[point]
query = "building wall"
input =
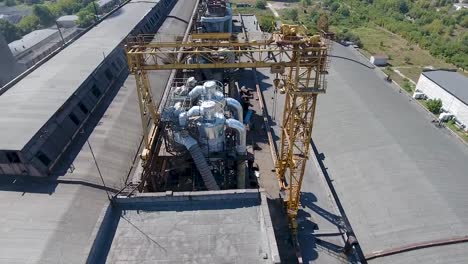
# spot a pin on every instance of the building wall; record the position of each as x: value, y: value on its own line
x: 378, y: 61
x: 67, y: 23
x: 449, y: 102
x: 41, y: 153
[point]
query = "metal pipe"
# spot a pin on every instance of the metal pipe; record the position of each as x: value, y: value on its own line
x: 240, y: 128
x: 235, y: 105
x: 194, y: 111
x: 195, y: 92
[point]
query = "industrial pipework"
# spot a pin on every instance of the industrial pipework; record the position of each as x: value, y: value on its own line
x: 207, y: 124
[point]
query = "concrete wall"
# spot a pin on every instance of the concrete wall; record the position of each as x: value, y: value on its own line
x: 449, y: 102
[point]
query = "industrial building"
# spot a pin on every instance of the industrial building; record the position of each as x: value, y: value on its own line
x: 451, y: 88
x: 42, y: 114
x: 51, y: 219
x: 379, y: 59
x: 36, y: 45
x: 217, y: 17
x: 67, y: 21
x: 9, y: 68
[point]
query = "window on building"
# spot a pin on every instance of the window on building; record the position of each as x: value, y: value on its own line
x: 108, y: 74
x: 13, y: 157
x: 115, y: 66
x: 83, y: 108
x: 96, y: 91
x: 74, y: 118
x: 43, y: 158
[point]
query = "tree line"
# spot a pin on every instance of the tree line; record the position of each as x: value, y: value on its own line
x: 434, y: 25
x: 43, y: 15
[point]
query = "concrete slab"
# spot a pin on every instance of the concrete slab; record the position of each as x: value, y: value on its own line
x: 192, y: 227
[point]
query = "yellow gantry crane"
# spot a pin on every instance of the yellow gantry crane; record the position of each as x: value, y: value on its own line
x: 298, y: 61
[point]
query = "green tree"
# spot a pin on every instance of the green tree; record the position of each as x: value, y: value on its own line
x: 291, y: 14
x: 334, y: 6
x: 344, y: 11
x: 69, y: 6
x: 322, y: 23
x: 434, y: 105
x: 267, y: 23
x: 46, y: 17
x: 33, y: 2
x: 29, y: 23
x: 85, y: 18
x: 261, y: 4
x: 464, y: 22
x: 306, y: 3
x: 9, y: 31
x: 10, y: 2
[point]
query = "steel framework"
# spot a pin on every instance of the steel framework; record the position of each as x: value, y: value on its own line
x: 298, y: 61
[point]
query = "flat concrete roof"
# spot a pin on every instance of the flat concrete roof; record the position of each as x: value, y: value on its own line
x: 453, y: 82
x: 30, y: 103
x: 232, y: 226
x: 401, y: 179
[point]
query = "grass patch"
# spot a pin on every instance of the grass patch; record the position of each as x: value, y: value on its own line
x: 412, y: 73
x: 402, y: 82
x: 407, y: 86
x: 450, y: 124
x: 460, y: 132
x: 377, y: 40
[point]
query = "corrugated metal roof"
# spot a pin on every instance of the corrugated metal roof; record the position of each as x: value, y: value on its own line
x: 29, y: 40
x: 28, y: 105
x: 67, y: 18
x: 453, y: 82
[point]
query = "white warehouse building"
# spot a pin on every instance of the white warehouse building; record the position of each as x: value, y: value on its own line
x: 449, y: 86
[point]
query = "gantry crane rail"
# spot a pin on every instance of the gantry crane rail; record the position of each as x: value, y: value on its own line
x: 298, y: 61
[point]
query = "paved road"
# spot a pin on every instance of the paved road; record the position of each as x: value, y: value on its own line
x: 400, y: 179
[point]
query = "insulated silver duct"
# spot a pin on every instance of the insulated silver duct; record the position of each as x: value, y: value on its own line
x: 235, y: 105
x: 242, y: 136
x: 194, y: 111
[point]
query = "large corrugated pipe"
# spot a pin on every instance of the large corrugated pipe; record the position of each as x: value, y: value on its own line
x: 242, y: 135
x: 200, y: 161
x: 237, y: 107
